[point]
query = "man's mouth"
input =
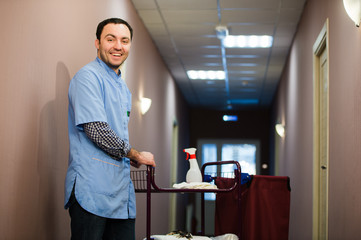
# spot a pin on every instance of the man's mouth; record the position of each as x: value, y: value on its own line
x: 116, y: 54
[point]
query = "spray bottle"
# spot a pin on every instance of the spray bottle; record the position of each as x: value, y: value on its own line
x: 193, y: 174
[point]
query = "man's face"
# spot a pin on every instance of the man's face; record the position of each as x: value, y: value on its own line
x: 114, y: 44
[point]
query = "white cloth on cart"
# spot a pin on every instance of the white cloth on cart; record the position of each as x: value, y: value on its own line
x: 194, y: 185
x: 171, y: 237
x: 229, y: 236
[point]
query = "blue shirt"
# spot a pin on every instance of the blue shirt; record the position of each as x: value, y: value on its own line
x: 102, y: 185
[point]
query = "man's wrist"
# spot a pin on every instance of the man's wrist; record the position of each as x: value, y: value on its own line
x: 133, y: 154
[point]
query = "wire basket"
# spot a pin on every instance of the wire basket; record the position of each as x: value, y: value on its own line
x: 139, y: 179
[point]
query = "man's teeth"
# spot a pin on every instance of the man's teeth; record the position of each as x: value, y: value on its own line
x: 116, y: 54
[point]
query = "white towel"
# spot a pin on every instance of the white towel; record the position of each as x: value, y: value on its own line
x: 171, y: 237
x: 228, y: 236
x: 194, y: 185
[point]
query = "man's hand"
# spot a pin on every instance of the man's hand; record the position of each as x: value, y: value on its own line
x: 139, y: 158
x: 134, y: 163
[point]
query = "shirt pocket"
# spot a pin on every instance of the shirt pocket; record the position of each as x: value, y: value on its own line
x: 107, y: 176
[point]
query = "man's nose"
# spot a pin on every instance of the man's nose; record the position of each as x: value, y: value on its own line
x: 118, y: 44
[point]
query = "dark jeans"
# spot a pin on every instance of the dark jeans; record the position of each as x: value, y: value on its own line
x: 87, y: 226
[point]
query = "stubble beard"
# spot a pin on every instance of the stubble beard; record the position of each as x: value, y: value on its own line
x: 104, y: 58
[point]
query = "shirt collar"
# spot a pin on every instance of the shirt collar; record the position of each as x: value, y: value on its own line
x: 108, y: 69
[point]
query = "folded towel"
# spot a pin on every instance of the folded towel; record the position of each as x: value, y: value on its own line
x: 228, y: 236
x: 173, y: 237
x: 194, y: 185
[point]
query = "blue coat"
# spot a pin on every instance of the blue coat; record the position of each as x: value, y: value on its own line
x: 102, y: 184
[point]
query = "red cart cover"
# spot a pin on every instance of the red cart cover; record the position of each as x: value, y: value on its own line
x: 265, y: 202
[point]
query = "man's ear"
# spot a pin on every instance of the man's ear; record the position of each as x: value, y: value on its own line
x: 97, y: 44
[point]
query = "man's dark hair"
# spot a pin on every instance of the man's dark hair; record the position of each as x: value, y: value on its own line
x: 102, y: 24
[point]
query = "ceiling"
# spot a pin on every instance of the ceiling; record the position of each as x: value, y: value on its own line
x: 184, y: 33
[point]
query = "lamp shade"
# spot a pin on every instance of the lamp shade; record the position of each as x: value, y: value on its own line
x: 353, y: 9
x: 145, y: 105
x: 280, y: 129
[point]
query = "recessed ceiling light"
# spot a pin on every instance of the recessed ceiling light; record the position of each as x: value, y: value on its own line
x: 230, y: 56
x: 242, y: 72
x: 243, y: 56
x: 244, y: 101
x: 206, y: 75
x: 243, y: 64
x: 245, y: 41
x: 212, y: 64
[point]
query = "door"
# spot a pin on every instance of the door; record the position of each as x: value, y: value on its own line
x: 321, y: 136
x: 173, y: 179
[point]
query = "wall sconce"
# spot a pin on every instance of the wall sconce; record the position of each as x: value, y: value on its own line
x: 280, y: 129
x: 353, y: 9
x: 145, y: 105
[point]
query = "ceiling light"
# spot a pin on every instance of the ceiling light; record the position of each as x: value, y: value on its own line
x: 212, y: 64
x: 243, y: 64
x: 245, y: 101
x: 231, y: 56
x: 243, y: 56
x: 206, y: 75
x: 247, y: 78
x: 245, y: 41
x: 243, y: 72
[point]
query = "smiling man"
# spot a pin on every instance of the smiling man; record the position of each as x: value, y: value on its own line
x: 113, y: 44
x: 98, y: 189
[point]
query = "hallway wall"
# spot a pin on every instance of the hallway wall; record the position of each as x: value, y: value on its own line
x: 43, y: 44
x: 294, y: 105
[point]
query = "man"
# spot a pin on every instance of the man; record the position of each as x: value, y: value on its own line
x: 98, y: 190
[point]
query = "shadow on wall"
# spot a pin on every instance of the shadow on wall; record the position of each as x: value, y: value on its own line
x: 53, y: 149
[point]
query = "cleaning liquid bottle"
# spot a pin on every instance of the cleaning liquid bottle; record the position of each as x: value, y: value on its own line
x: 193, y: 174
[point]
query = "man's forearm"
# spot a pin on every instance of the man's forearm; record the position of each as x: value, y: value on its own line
x: 106, y: 139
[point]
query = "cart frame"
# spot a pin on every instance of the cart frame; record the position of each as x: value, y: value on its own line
x: 151, y: 187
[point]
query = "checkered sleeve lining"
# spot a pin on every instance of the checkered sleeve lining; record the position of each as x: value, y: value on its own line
x: 105, y: 138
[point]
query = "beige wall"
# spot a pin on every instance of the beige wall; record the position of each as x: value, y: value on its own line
x: 294, y: 103
x: 43, y: 44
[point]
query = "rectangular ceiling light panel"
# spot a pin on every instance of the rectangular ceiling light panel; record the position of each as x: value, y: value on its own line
x: 209, y: 75
x: 252, y: 41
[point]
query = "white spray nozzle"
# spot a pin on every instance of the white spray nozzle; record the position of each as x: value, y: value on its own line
x: 191, y: 153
